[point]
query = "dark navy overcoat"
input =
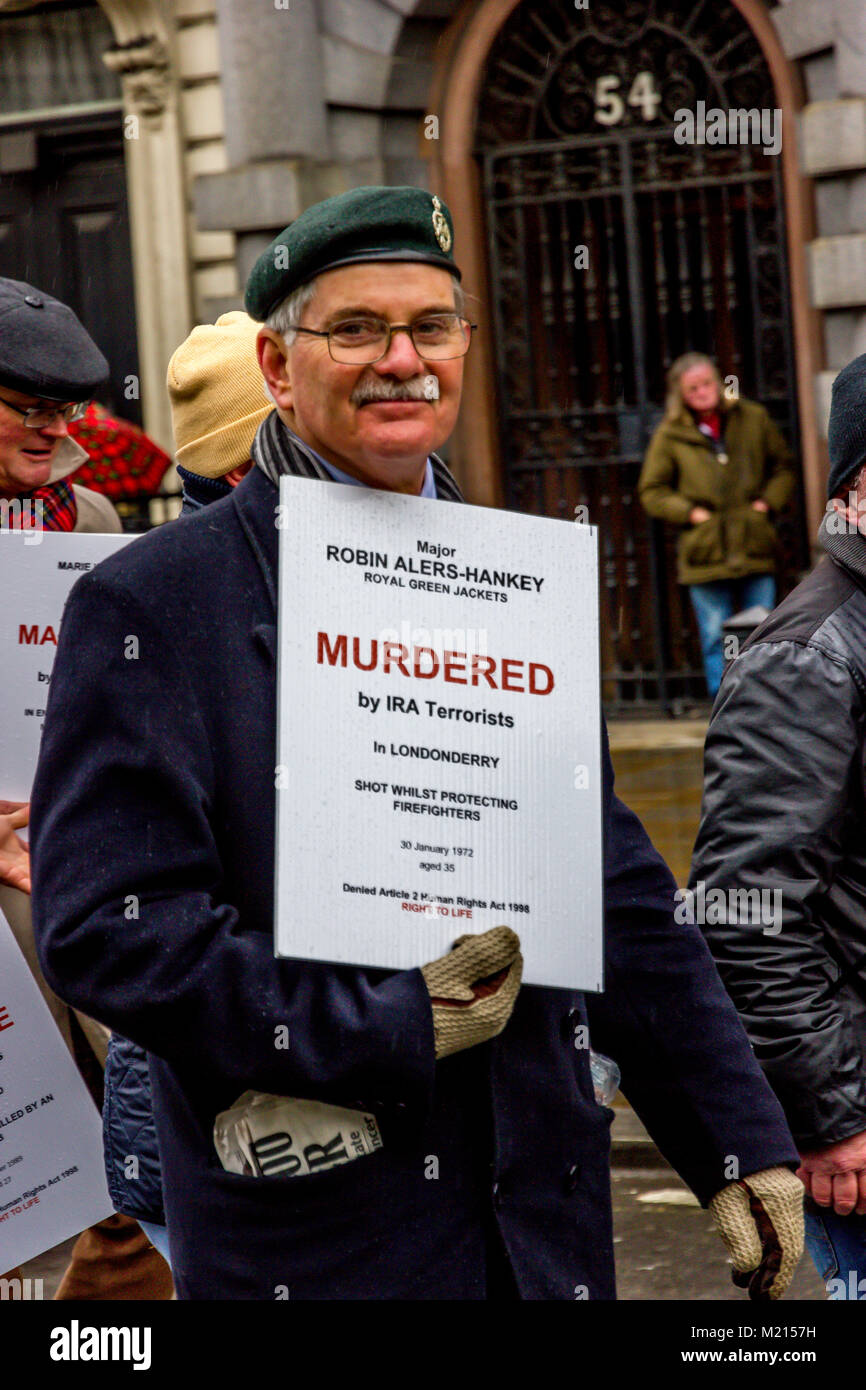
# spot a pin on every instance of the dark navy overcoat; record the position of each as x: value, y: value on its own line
x: 153, y: 854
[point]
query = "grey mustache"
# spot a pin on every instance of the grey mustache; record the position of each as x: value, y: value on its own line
x: 382, y: 390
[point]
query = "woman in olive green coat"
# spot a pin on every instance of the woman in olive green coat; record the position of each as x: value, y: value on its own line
x: 719, y: 470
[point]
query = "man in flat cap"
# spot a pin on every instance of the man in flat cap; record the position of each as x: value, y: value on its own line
x: 50, y: 368
x: 173, y: 778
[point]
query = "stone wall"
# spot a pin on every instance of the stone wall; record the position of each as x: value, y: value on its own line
x: 827, y: 39
x: 212, y: 250
x: 347, y: 84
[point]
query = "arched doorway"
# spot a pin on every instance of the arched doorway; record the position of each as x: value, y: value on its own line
x: 610, y: 248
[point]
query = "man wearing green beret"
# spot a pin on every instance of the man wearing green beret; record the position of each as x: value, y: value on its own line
x: 492, y: 1178
x: 366, y: 397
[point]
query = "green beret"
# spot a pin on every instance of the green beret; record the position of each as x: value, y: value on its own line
x: 366, y: 224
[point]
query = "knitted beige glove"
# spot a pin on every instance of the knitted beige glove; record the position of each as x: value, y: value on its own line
x: 473, y: 989
x: 760, y: 1219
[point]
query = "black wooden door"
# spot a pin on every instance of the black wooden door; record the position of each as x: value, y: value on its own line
x: 64, y: 227
x: 613, y: 248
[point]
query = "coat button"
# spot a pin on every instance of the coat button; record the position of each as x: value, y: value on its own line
x: 33, y: 300
x: 572, y: 1178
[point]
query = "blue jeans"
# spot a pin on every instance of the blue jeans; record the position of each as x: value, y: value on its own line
x: 837, y: 1245
x: 715, y: 603
x: 158, y: 1237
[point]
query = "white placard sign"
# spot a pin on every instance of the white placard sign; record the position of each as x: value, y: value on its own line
x: 439, y: 767
x: 37, y: 570
x: 52, y: 1176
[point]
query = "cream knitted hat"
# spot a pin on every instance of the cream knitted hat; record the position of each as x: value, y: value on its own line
x: 217, y: 395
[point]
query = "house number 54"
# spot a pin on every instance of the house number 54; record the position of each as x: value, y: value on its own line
x: 610, y: 105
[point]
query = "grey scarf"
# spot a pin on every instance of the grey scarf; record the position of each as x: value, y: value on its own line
x: 277, y: 451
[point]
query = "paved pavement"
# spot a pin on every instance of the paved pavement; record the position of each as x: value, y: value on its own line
x: 667, y: 1247
x: 666, y: 1244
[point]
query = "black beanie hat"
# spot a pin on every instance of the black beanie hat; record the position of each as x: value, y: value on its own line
x: 846, y: 434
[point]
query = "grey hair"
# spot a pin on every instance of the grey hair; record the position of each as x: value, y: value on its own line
x: 291, y: 309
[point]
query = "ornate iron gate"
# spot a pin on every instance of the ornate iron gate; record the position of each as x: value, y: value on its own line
x: 613, y: 248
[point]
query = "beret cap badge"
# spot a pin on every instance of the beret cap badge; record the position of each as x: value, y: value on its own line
x: 440, y: 225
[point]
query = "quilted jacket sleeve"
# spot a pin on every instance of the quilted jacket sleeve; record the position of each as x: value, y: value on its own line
x: 659, y: 481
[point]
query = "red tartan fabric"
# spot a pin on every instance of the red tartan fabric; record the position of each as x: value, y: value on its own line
x: 124, y: 462
x: 57, y: 509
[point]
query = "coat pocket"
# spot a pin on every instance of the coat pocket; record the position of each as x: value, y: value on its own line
x: 702, y: 545
x: 760, y: 535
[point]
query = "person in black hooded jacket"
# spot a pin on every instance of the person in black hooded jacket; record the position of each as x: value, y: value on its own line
x: 778, y: 876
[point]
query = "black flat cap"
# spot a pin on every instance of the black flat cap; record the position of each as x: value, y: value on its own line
x: 44, y: 349
x: 366, y: 224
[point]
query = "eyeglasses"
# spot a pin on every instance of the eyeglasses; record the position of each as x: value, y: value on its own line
x: 36, y: 417
x: 362, y: 341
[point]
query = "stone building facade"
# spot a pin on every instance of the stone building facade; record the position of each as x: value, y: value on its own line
x: 548, y: 130
x: 252, y: 109
x: 324, y: 94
